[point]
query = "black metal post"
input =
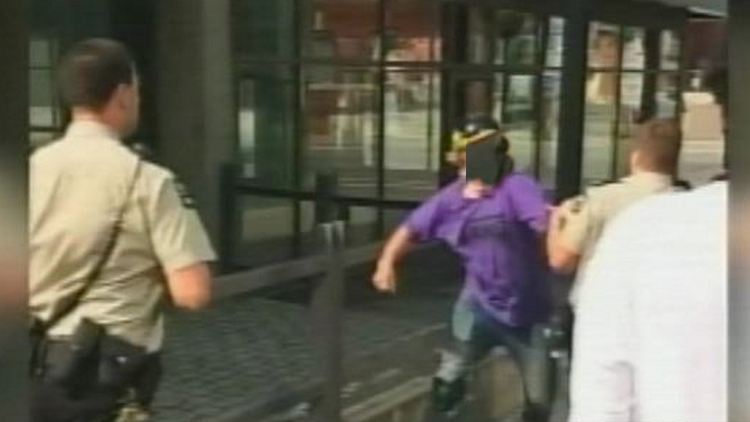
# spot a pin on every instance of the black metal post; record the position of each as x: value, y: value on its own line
x: 650, y: 84
x: 573, y: 100
x: 327, y: 300
x: 229, y: 223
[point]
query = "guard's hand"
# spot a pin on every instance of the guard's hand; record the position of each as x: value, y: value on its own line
x: 384, y: 278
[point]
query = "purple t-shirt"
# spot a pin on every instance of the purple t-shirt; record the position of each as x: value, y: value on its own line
x: 498, y: 238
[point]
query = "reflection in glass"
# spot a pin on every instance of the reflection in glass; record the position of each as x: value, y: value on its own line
x: 630, y: 113
x: 412, y: 134
x: 413, y: 29
x: 478, y: 37
x: 597, y: 143
x: 40, y: 52
x: 516, y: 38
x: 266, y: 231
x: 42, y: 110
x: 634, y: 49
x: 549, y: 131
x: 670, y: 50
x: 266, y: 127
x: 361, y: 227
x: 667, y: 95
x: 604, y: 46
x: 341, y: 124
x: 555, y: 42
x: 343, y: 29
x: 477, y: 96
x: 263, y: 28
x: 517, y: 117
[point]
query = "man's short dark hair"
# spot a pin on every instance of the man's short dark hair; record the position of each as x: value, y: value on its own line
x: 91, y: 71
x: 659, y: 141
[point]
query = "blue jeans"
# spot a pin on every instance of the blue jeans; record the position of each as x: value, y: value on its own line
x: 476, y: 333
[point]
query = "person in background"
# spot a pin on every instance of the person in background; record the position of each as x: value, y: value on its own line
x: 578, y: 223
x: 497, y: 231
x: 651, y: 339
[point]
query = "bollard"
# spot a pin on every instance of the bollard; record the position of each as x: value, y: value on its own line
x: 230, y: 221
x: 327, y: 301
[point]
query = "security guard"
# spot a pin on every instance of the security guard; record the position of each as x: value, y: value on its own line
x: 110, y: 234
x: 579, y: 222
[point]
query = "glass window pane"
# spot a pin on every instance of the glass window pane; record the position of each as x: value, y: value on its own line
x: 267, y: 231
x: 341, y: 129
x: 478, y: 39
x: 343, y: 29
x: 264, y: 28
x: 630, y: 114
x: 598, y: 131
x: 516, y: 115
x: 670, y: 50
x: 42, y: 111
x: 412, y: 134
x: 667, y: 95
x: 634, y: 53
x: 549, y: 132
x: 40, y: 139
x: 412, y: 30
x: 702, y: 154
x: 604, y: 46
x: 477, y: 97
x: 266, y: 126
x: 516, y: 38
x: 40, y: 53
x: 555, y: 44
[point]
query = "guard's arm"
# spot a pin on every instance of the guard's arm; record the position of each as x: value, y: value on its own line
x: 567, y: 235
x: 561, y: 258
x: 181, y: 245
x: 190, y: 287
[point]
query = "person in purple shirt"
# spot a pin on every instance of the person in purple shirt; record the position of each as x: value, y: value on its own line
x: 497, y: 232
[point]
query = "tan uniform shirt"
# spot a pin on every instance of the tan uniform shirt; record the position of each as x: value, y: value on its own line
x: 78, y: 185
x: 586, y: 216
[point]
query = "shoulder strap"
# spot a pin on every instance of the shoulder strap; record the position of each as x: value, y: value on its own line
x: 71, y: 304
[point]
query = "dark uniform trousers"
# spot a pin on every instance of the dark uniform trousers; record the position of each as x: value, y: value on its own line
x: 87, y: 393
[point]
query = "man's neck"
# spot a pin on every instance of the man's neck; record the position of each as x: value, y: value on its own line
x: 84, y: 115
x: 643, y: 172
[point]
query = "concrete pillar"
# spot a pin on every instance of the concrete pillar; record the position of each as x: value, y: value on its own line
x: 195, y: 101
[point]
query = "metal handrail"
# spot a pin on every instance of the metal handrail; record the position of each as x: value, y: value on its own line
x: 271, y: 275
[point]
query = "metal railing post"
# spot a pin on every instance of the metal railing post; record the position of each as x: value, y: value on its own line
x: 229, y: 221
x: 327, y: 301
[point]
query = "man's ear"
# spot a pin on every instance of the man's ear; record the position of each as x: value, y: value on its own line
x: 124, y: 96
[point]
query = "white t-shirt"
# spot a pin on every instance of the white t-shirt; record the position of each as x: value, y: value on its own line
x: 651, y: 328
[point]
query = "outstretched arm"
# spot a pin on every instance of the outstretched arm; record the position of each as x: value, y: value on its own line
x: 398, y: 245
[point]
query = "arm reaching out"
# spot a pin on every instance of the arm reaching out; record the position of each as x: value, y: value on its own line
x: 398, y: 245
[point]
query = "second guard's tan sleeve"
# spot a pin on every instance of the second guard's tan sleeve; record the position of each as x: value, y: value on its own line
x: 578, y: 217
x: 177, y: 234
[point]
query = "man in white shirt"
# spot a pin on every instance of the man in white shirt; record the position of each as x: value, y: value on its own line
x: 651, y: 335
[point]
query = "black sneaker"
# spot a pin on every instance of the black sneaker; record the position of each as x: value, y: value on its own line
x: 446, y: 396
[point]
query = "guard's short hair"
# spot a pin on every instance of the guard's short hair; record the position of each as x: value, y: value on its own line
x: 91, y: 71
x: 659, y: 142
